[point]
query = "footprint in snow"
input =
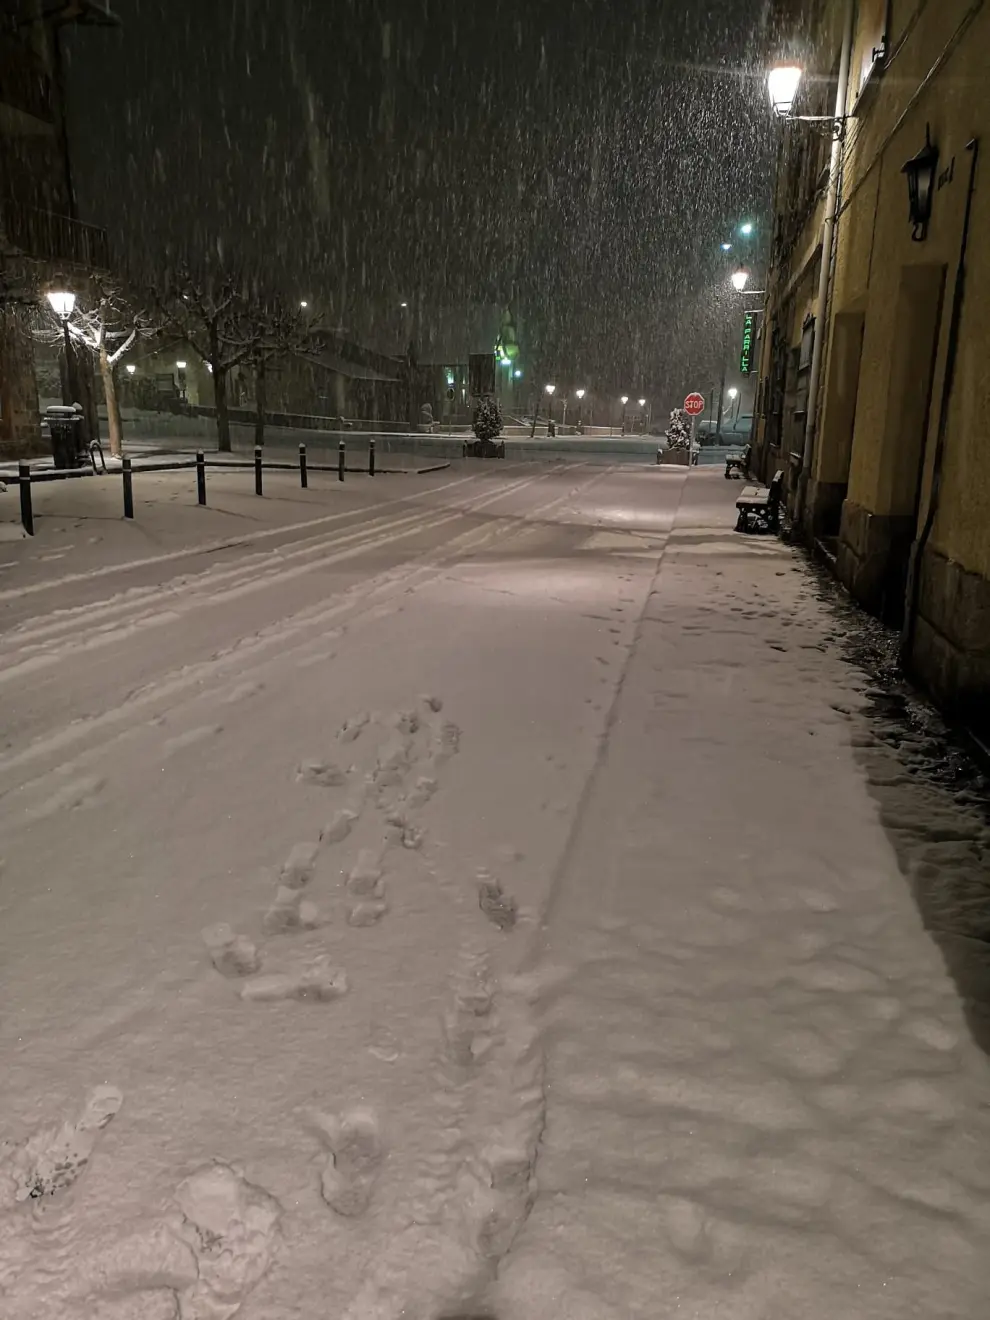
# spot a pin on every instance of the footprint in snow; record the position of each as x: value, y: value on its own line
x: 298, y: 867
x: 356, y: 1153
x: 289, y: 912
x: 231, y: 1226
x: 232, y: 955
x: 322, y: 773
x: 317, y: 980
x: 499, y: 907
x: 339, y: 827
x: 52, y: 1159
x: 354, y: 727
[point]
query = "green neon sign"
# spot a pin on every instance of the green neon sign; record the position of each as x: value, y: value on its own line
x: 748, y: 343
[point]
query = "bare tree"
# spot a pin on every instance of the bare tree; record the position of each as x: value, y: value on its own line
x: 215, y: 317
x: 281, y: 332
x: 107, y: 325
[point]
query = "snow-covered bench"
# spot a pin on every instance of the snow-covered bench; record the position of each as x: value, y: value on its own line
x: 738, y: 463
x: 763, y: 506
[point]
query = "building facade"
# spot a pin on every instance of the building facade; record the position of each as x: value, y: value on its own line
x: 42, y: 240
x: 882, y: 433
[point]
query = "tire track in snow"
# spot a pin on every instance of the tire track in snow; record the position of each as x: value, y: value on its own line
x: 213, y: 547
x: 238, y: 580
x: 242, y: 660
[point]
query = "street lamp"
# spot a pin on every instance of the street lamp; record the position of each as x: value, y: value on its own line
x: 550, y: 391
x: 782, y: 85
x: 740, y: 278
x: 303, y: 304
x: 63, y: 304
x: 579, y: 395
x: 726, y: 247
x: 625, y: 400
x: 747, y: 229
x: 130, y: 368
x: 920, y: 171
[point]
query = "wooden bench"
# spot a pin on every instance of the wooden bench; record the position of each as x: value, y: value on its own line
x: 762, y: 506
x: 738, y: 463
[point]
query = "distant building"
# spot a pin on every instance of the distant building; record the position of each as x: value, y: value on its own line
x: 42, y: 240
x: 890, y: 471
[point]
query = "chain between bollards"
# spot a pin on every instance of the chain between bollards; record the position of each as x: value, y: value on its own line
x: 371, y: 457
x: 341, y: 459
x: 303, y: 474
x: 24, y: 482
x: 126, y: 473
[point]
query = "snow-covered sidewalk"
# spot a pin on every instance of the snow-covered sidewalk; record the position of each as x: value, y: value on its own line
x: 470, y: 905
x: 762, y: 1098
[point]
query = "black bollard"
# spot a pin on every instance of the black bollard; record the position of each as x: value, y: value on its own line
x: 303, y: 474
x: 125, y: 471
x: 259, y: 485
x: 341, y: 457
x: 371, y: 457
x: 659, y: 452
x: 200, y: 476
x: 27, y: 512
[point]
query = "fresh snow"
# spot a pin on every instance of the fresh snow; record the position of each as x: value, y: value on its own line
x: 472, y: 895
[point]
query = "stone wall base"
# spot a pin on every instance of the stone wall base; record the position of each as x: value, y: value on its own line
x: 825, y: 501
x: 872, y: 559
x: 951, y: 642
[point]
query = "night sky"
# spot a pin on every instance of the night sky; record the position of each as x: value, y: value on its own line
x: 567, y: 157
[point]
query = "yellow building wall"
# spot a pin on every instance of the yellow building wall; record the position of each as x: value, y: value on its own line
x: 956, y: 105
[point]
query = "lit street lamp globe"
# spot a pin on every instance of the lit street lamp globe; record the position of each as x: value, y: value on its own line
x: 782, y: 85
x: 62, y: 303
x: 740, y: 278
x: 580, y: 393
x: 733, y: 393
x: 550, y: 388
x: 624, y: 399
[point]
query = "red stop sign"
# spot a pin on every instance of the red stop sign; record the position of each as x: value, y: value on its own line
x: 694, y: 405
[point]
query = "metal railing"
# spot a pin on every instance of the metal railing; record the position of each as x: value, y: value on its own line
x: 26, y: 478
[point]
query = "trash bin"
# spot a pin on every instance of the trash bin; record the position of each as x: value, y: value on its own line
x: 63, y: 425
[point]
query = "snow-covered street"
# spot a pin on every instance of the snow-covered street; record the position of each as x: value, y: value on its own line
x: 477, y: 894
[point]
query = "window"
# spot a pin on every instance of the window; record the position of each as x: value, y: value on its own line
x: 871, y: 41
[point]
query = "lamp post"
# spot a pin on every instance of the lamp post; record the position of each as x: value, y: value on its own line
x: 63, y: 304
x: 625, y: 400
x: 181, y: 369
x: 642, y: 410
x: 579, y: 395
x: 549, y: 392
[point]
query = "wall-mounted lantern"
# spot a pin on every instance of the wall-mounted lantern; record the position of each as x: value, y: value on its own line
x: 920, y: 171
